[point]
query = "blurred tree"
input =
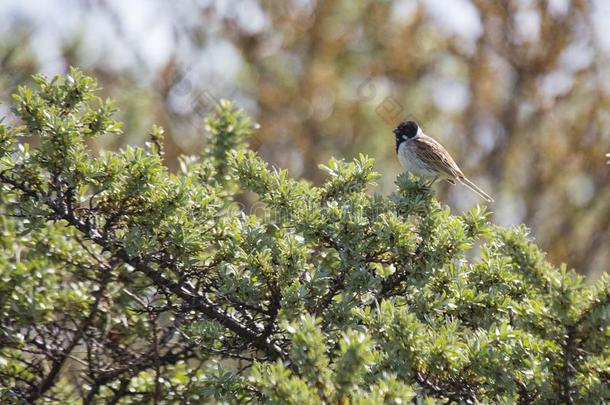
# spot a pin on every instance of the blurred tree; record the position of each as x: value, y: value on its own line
x: 516, y: 90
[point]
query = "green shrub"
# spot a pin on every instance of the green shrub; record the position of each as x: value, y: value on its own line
x: 121, y: 282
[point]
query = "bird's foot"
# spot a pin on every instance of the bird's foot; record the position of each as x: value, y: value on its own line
x: 432, y: 182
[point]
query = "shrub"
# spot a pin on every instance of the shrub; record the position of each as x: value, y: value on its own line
x: 122, y: 282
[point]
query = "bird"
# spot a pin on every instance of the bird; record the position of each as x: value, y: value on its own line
x: 426, y: 158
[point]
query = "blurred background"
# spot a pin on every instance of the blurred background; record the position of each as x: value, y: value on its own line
x: 517, y: 90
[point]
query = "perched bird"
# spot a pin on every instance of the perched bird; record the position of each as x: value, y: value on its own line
x: 427, y: 158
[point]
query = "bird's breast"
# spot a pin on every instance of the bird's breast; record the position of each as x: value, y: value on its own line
x: 408, y: 158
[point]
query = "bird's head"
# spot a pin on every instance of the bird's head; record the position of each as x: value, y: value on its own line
x: 406, y: 130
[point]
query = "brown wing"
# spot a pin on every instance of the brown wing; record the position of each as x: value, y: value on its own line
x: 436, y: 157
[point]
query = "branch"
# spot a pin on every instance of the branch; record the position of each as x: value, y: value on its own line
x: 58, y: 363
x: 185, y: 292
x: 568, y: 370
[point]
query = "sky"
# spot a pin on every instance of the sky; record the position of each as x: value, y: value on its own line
x: 144, y: 34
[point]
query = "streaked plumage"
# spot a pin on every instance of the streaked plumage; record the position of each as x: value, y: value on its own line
x: 425, y: 157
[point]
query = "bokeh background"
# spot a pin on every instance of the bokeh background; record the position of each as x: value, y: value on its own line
x: 517, y: 90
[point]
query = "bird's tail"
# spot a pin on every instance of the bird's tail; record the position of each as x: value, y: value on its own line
x: 476, y: 189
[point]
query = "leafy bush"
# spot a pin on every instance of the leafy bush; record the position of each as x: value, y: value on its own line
x: 122, y: 282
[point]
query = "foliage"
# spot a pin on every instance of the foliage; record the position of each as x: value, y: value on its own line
x: 122, y: 282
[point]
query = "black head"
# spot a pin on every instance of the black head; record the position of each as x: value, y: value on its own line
x: 405, y: 130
